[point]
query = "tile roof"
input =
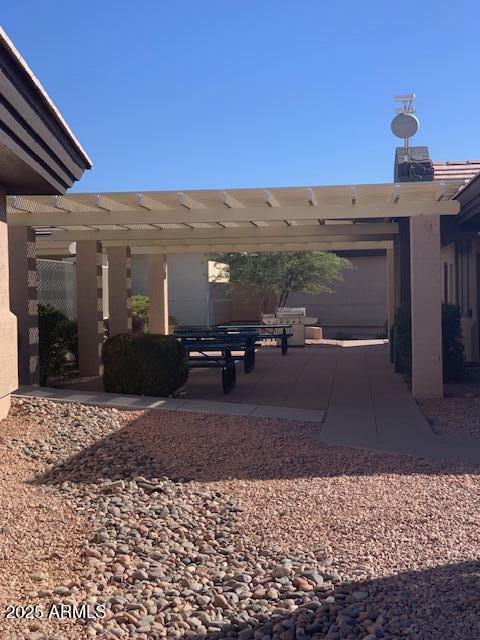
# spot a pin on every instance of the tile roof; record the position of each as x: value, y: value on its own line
x: 456, y: 170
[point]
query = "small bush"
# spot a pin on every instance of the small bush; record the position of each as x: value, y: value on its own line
x: 140, y: 306
x: 140, y: 309
x: 402, y: 339
x: 453, y: 352
x: 71, y: 337
x: 144, y: 364
x: 53, y: 343
x: 452, y: 341
x: 172, y: 324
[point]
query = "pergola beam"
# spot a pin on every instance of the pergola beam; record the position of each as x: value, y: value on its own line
x: 407, y: 208
x: 270, y: 199
x: 305, y: 241
x: 266, y: 246
x: 149, y: 203
x: 47, y: 247
x: 229, y: 201
x: 188, y: 202
x: 357, y: 230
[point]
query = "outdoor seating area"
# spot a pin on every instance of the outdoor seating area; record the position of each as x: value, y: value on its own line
x: 224, y: 345
x: 239, y: 360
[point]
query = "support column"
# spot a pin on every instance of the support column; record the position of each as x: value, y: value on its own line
x: 158, y: 293
x: 391, y: 296
x: 119, y: 290
x: 89, y: 307
x: 426, y: 301
x: 8, y: 322
x: 24, y: 300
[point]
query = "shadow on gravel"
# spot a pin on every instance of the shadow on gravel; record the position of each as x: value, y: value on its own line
x: 436, y: 604
x: 202, y: 447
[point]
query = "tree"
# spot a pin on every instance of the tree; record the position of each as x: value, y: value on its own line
x: 283, y: 272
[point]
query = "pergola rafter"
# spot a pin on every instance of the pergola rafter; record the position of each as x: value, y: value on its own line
x: 252, y: 208
x: 348, y: 217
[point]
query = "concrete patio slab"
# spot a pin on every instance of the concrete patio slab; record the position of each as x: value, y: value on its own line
x: 220, y: 408
x: 353, y: 395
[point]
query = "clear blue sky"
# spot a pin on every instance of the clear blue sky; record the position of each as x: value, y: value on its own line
x: 230, y: 93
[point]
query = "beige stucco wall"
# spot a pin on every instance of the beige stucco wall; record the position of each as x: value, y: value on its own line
x: 188, y: 295
x: 358, y: 304
x: 8, y: 322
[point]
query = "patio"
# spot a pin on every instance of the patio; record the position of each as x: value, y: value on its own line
x: 350, y: 392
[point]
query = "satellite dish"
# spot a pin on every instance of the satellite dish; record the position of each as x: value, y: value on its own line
x: 72, y: 248
x: 405, y: 125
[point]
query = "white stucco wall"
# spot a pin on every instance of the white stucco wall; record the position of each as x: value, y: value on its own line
x: 188, y: 296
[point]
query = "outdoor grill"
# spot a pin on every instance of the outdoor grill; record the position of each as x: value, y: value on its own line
x: 297, y: 317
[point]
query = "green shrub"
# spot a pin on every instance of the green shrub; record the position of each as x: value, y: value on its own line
x: 140, y: 309
x: 53, y: 344
x: 144, y: 364
x: 71, y: 337
x: 452, y: 338
x: 452, y: 341
x: 172, y: 324
x: 402, y: 339
x: 140, y: 306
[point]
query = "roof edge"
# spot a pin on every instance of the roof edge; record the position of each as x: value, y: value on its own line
x: 37, y: 86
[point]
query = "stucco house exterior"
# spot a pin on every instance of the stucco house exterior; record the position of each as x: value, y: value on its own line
x: 460, y: 256
x: 38, y: 155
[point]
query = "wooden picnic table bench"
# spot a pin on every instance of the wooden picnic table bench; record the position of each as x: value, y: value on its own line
x: 213, y: 349
x: 268, y: 331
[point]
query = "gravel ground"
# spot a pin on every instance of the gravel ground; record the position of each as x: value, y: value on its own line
x: 458, y: 413
x: 199, y: 526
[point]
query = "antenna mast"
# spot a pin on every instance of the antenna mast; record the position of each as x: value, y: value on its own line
x: 407, y: 101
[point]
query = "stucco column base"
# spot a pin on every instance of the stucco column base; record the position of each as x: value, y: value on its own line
x: 8, y: 356
x: 426, y: 306
x: 8, y: 322
x: 5, y: 403
x: 24, y: 299
x: 158, y: 293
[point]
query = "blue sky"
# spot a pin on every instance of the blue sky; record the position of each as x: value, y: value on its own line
x: 249, y: 93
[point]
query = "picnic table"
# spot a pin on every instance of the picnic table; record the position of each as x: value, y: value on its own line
x: 264, y: 330
x: 208, y: 348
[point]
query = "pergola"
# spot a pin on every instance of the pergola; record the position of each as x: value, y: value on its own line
x: 403, y: 219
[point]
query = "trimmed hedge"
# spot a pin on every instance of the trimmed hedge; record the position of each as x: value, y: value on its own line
x: 144, y: 364
x: 452, y: 341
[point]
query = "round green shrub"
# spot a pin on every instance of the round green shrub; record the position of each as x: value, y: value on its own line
x: 144, y: 364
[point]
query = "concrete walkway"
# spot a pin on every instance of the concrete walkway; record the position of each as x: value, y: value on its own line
x: 139, y: 403
x: 351, y: 392
x: 370, y: 406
